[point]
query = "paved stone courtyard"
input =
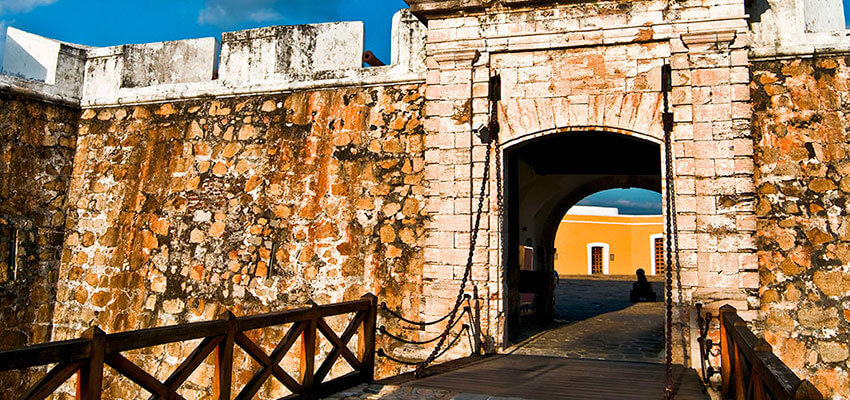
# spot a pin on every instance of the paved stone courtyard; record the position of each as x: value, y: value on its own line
x: 595, y: 320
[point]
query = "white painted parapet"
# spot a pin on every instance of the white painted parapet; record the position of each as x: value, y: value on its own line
x: 264, y: 60
x: 169, y: 62
x: 797, y: 27
x: 42, y: 67
x: 257, y: 54
x: 111, y: 69
x: 31, y: 56
x: 408, y: 42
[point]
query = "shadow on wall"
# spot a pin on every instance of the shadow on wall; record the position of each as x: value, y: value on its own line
x: 23, y: 61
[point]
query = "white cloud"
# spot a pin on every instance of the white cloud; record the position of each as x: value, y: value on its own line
x: 226, y: 13
x: 263, y: 15
x: 10, y: 6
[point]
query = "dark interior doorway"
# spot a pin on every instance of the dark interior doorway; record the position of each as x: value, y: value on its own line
x: 543, y: 179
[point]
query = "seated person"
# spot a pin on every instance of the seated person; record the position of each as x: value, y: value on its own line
x: 641, y: 289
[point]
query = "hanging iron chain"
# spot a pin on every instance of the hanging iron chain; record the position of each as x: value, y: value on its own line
x: 495, y: 97
x: 420, y: 368
x: 382, y: 353
x: 667, y: 120
x: 383, y: 330
x: 669, y: 281
x: 421, y: 324
x: 489, y: 135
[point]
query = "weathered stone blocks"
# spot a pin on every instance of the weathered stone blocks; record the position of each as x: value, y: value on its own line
x: 178, y: 211
x: 37, y: 143
x: 801, y: 155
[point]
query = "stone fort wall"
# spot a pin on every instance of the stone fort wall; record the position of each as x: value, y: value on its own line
x: 179, y: 211
x: 800, y: 131
x: 179, y: 179
x: 287, y: 174
x: 37, y: 143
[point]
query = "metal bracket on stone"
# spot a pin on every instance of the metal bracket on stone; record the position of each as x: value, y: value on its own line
x: 272, y: 261
x: 483, y: 134
x: 666, y: 88
x: 490, y: 132
x: 666, y: 78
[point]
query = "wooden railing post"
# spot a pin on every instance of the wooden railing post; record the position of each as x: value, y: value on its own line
x: 756, y: 383
x: 90, y: 378
x: 807, y: 391
x: 738, y: 368
x: 366, y: 339
x: 224, y: 360
x: 308, y: 353
x: 725, y: 359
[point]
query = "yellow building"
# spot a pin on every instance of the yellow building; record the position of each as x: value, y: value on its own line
x: 598, y: 240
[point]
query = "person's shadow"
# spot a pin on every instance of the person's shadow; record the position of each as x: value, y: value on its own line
x: 642, y: 289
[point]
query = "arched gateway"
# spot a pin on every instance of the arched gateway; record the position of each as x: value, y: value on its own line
x: 593, y: 109
x: 545, y: 175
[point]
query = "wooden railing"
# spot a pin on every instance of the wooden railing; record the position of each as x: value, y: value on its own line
x: 87, y: 355
x: 750, y: 370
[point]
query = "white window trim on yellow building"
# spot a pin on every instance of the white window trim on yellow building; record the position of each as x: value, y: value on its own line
x: 606, y: 251
x: 652, y: 250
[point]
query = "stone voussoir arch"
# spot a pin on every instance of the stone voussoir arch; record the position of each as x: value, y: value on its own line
x: 517, y: 141
x: 632, y: 114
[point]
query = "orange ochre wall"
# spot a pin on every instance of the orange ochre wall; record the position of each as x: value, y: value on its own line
x: 628, y: 238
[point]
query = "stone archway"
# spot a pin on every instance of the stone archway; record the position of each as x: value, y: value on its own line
x: 592, y: 84
x: 544, y: 175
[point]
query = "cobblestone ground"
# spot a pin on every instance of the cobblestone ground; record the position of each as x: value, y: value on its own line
x: 595, y: 320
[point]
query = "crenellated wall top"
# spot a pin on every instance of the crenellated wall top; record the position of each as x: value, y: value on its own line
x: 263, y: 60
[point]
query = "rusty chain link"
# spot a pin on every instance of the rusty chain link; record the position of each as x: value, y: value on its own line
x: 383, y: 330
x: 489, y: 135
x: 382, y: 353
x: 400, y: 317
x: 420, y: 368
x: 672, y: 229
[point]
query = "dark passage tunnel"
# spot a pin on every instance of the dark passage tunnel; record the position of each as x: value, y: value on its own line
x: 544, y: 178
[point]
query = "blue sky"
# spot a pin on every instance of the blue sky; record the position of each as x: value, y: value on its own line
x: 629, y: 201
x: 114, y: 22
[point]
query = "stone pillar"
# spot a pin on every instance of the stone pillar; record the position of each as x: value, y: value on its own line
x: 455, y: 107
x: 713, y: 164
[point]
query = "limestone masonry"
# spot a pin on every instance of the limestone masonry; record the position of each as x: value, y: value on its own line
x: 154, y: 184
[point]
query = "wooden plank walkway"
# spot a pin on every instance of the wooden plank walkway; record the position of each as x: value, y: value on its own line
x: 541, y: 377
